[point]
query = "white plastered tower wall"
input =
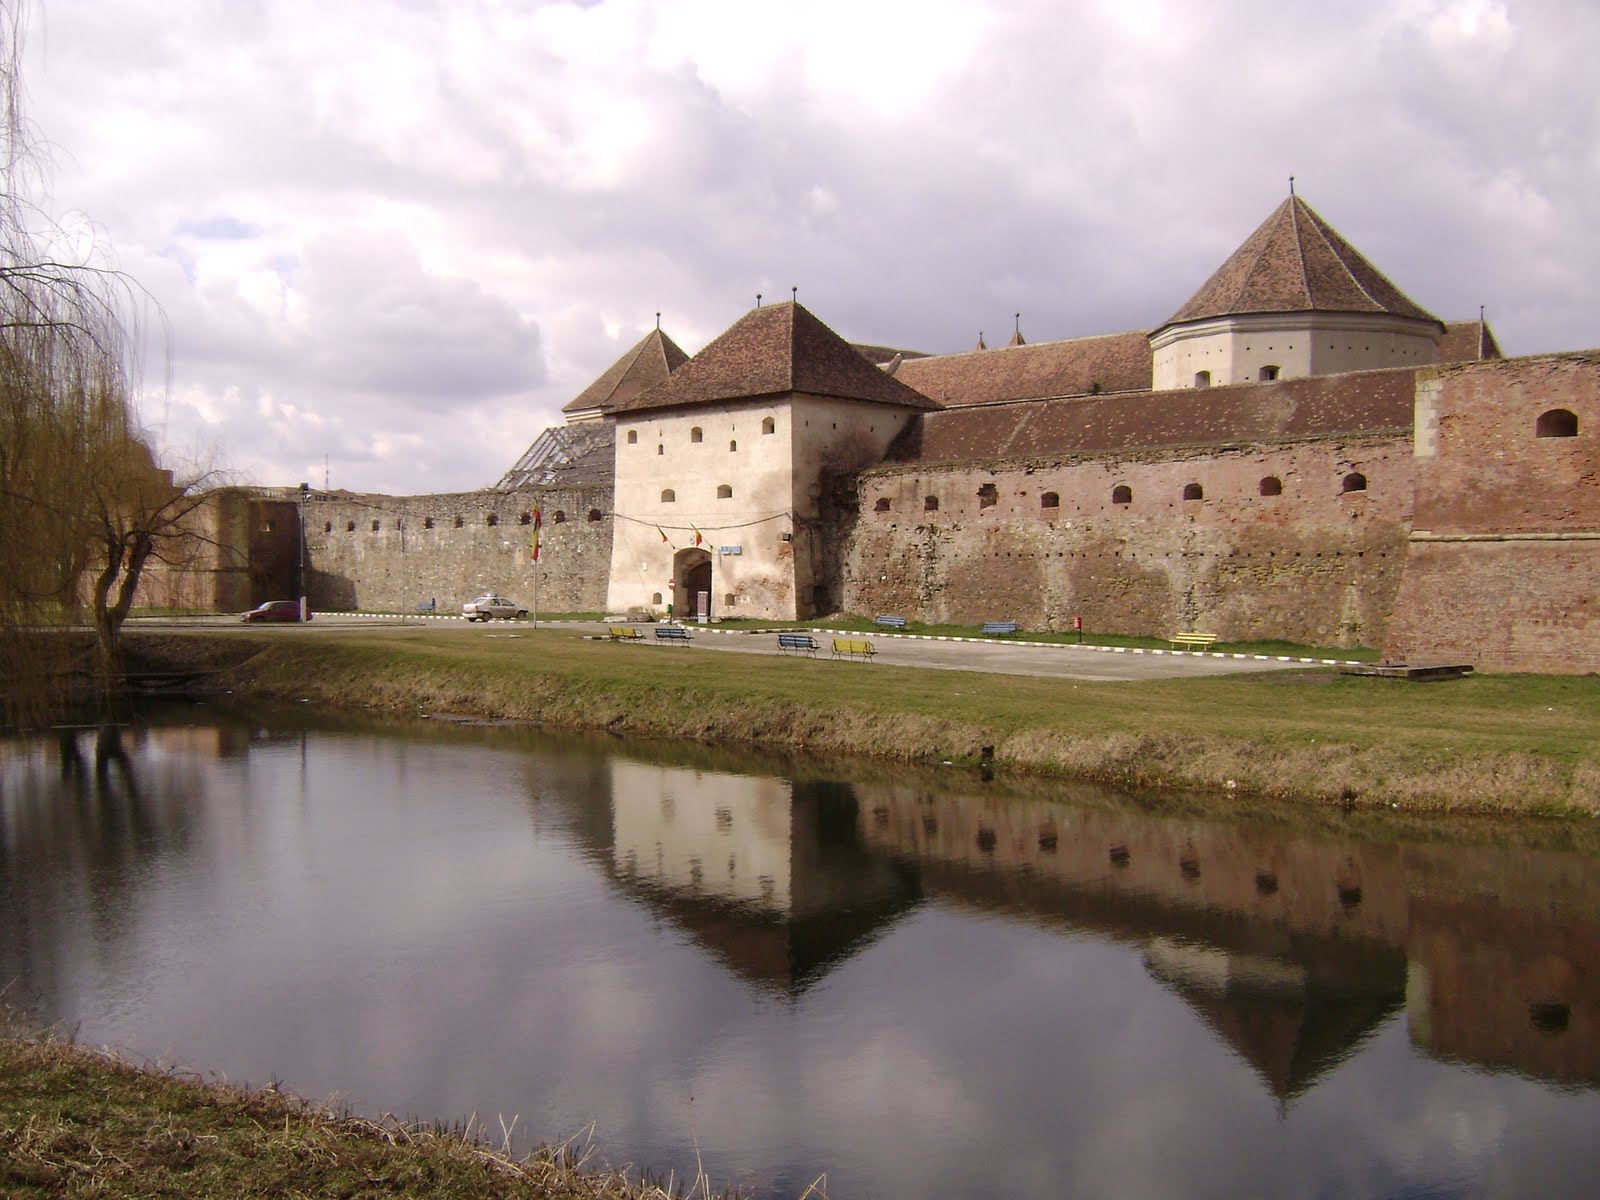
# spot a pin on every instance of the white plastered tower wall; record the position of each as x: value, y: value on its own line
x: 1237, y: 349
x: 672, y: 467
x: 747, y: 475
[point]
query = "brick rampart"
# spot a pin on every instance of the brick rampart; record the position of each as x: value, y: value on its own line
x: 1308, y: 561
x: 390, y: 553
x: 1503, y: 568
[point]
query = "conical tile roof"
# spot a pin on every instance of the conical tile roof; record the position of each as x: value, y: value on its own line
x: 1296, y: 262
x: 773, y: 350
x: 652, y: 360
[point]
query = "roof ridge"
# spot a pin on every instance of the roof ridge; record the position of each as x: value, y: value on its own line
x: 1300, y: 248
x: 794, y: 311
x: 992, y: 350
x: 1353, y: 275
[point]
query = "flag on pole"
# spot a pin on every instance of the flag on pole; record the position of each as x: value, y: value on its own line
x: 696, y: 535
x: 538, y: 520
x: 663, y: 534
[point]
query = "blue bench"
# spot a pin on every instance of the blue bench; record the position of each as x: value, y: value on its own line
x: 797, y: 643
x: 999, y: 628
x: 672, y: 633
x: 890, y: 622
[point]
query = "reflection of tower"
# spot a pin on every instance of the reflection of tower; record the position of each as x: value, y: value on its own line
x: 1292, y: 1017
x: 1273, y: 941
x: 767, y: 874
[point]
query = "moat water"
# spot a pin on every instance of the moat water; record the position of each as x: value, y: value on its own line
x: 912, y: 983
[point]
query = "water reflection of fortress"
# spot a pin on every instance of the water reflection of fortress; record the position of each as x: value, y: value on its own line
x: 1293, y: 948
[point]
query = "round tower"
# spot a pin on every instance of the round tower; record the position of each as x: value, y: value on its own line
x: 1295, y: 299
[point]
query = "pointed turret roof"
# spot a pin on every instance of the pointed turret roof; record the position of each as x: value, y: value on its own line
x: 1296, y: 262
x: 770, y: 351
x: 651, y: 361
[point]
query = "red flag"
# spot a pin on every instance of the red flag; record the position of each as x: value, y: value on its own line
x: 696, y: 535
x: 538, y: 520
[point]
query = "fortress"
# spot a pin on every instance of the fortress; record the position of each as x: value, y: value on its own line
x: 1298, y: 452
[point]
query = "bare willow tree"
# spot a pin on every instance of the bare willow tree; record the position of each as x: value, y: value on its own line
x: 83, y: 506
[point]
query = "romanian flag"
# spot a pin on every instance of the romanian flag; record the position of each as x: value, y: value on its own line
x: 696, y: 535
x: 538, y: 520
x: 663, y: 534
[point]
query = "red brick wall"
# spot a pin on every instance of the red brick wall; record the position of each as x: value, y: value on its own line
x: 1500, y: 606
x: 1504, y: 565
x: 1314, y: 564
x: 1487, y: 472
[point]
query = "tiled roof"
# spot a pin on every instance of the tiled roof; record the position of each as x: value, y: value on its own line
x: 1313, y: 406
x: 1296, y: 262
x: 651, y: 361
x: 771, y: 351
x: 1467, y: 341
x: 1117, y: 362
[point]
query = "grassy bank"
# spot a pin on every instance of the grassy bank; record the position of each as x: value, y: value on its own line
x: 76, y: 1123
x: 1508, y: 744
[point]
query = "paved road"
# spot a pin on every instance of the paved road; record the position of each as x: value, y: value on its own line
x: 1005, y: 658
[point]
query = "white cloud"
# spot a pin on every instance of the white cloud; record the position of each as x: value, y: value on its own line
x: 393, y: 212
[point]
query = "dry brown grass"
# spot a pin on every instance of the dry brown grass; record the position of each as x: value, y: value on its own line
x: 1487, y: 744
x: 84, y: 1124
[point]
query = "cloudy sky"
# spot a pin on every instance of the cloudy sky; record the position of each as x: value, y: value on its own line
x: 395, y: 236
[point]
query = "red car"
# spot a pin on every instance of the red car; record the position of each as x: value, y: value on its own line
x: 275, y: 610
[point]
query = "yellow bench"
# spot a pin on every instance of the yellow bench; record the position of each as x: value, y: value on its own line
x: 1192, y: 641
x: 625, y: 633
x: 852, y: 648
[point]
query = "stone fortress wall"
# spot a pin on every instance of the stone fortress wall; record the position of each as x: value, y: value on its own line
x: 1474, y: 538
x: 1504, y: 556
x: 390, y: 553
x: 1278, y: 541
x: 1331, y: 466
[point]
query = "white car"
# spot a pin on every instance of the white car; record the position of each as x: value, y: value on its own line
x: 488, y: 606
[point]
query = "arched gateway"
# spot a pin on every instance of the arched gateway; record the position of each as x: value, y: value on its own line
x: 691, y: 583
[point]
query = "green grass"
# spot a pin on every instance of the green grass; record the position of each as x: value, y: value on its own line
x: 1479, y: 744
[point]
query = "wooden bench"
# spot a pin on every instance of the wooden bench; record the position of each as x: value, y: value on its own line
x: 852, y: 648
x: 625, y: 633
x: 672, y: 633
x: 890, y: 622
x: 1192, y: 641
x: 999, y: 628
x: 797, y: 643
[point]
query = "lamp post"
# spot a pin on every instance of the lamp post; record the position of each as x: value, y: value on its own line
x: 301, y: 556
